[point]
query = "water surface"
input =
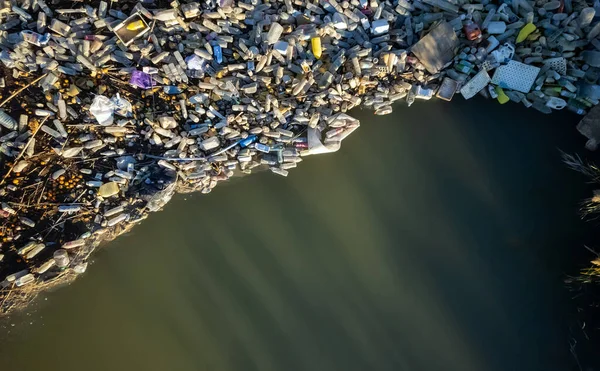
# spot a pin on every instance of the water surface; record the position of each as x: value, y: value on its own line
x: 437, y: 238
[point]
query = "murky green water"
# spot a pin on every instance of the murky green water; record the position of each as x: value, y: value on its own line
x: 436, y: 239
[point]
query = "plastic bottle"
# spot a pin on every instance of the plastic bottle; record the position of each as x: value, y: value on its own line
x: 7, y: 121
x: 568, y: 94
x: 262, y: 147
x: 246, y: 142
x: 337, y: 63
x: 165, y: 15
x: 35, y: 38
x: 274, y: 33
x: 541, y: 106
x: 316, y: 47
x: 410, y: 98
x: 464, y: 67
x: 69, y: 208
x: 576, y: 110
x: 172, y: 90
x: 492, y: 91
x: 61, y: 256
x: 553, y: 91
x: 218, y: 53
x: 6, y: 59
x: 576, y: 107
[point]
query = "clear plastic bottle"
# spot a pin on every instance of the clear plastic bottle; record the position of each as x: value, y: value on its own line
x: 274, y: 33
x: 6, y: 59
x: 7, y: 121
x: 218, y: 53
x: 410, y: 98
x: 41, y: 22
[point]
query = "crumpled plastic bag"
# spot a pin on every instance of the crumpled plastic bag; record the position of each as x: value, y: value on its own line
x: 141, y: 80
x: 123, y: 162
x: 102, y: 109
x: 195, y: 62
x: 340, y: 126
x: 122, y: 106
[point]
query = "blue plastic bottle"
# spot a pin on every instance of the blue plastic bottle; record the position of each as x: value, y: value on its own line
x: 262, y: 147
x: 246, y: 142
x: 218, y: 53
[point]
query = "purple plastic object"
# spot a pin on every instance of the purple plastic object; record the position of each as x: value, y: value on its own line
x: 141, y: 80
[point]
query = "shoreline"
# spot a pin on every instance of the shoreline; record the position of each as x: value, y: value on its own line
x: 130, y: 105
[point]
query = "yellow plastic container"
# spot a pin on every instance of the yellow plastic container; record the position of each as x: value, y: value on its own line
x: 136, y: 25
x: 525, y: 31
x: 502, y: 98
x: 316, y: 47
x: 108, y: 189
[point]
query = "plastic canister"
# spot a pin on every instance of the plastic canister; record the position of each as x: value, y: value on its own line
x: 556, y: 103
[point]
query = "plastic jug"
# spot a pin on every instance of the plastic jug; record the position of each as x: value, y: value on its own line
x: 556, y: 103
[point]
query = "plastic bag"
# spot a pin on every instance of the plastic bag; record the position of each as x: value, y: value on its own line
x: 102, y: 108
x: 141, y: 80
x: 340, y: 126
x: 196, y: 63
x: 122, y: 107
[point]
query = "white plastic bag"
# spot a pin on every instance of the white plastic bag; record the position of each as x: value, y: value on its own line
x: 196, y: 63
x: 102, y: 108
x: 340, y: 126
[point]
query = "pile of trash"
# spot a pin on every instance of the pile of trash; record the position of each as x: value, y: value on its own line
x: 109, y: 108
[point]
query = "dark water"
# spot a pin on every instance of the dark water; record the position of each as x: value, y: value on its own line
x: 436, y: 239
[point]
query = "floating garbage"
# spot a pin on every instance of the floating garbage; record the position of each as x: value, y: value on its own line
x: 106, y: 111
